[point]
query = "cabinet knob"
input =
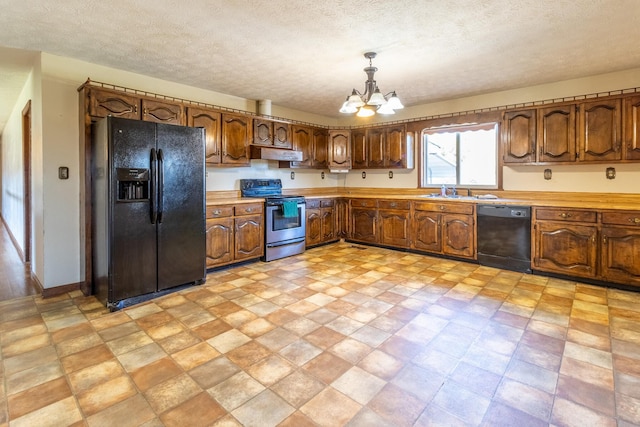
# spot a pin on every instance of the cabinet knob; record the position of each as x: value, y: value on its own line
x: 604, y: 239
x: 249, y: 209
x: 393, y: 205
x: 441, y: 207
x: 216, y: 212
x: 565, y: 215
x: 634, y: 220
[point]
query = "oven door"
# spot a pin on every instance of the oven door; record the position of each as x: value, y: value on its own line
x: 284, y: 229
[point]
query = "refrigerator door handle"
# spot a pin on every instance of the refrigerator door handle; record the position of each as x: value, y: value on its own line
x: 154, y: 184
x: 160, y: 185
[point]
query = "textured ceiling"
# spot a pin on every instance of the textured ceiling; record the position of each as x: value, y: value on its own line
x: 307, y: 54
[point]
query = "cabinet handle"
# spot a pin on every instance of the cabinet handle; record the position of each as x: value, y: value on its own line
x: 441, y: 207
x: 593, y: 238
x: 144, y: 112
x: 565, y: 215
x: 216, y: 212
x: 604, y: 239
x: 135, y: 108
x: 393, y: 205
x: 249, y: 209
x: 634, y: 220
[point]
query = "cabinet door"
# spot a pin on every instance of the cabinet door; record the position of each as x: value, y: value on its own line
x: 249, y: 233
x: 236, y: 134
x: 426, y: 231
x: 281, y: 135
x: 359, y: 149
x: 376, y: 145
x: 103, y: 103
x: 210, y: 121
x: 327, y: 220
x: 631, y: 122
x: 302, y: 140
x: 621, y: 255
x: 557, y: 134
x: 458, y: 235
x: 314, y: 227
x: 162, y: 112
x: 320, y: 149
x: 600, y: 130
x: 342, y: 218
x: 565, y: 248
x: 339, y: 145
x: 395, y: 151
x: 519, y: 136
x: 364, y: 224
x: 262, y: 132
x: 394, y: 228
x: 219, y: 237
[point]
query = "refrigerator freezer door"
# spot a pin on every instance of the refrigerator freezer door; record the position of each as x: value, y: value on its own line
x: 133, y: 236
x: 181, y: 221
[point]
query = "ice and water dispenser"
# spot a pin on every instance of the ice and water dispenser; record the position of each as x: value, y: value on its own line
x: 133, y: 184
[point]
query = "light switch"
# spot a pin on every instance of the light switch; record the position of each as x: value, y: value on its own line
x: 63, y: 172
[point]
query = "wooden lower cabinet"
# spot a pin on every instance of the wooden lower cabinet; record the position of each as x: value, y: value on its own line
x: 395, y: 222
x: 234, y: 233
x: 601, y: 245
x: 445, y: 228
x: 566, y: 248
x: 321, y: 221
x: 364, y: 220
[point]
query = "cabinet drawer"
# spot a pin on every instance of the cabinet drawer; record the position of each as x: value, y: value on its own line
x: 460, y: 208
x: 312, y: 203
x: 621, y: 218
x: 219, y: 211
x: 249, y: 209
x: 394, y: 204
x: 327, y: 203
x: 364, y: 203
x: 566, y: 215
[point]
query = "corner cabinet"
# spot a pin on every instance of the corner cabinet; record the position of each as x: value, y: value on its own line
x: 234, y: 233
x: 339, y: 149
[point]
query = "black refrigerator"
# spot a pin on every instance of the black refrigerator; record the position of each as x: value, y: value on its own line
x: 148, y: 200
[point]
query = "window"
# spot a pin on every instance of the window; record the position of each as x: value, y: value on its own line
x: 465, y: 156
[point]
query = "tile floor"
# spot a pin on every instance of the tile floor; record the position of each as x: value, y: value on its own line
x: 339, y: 335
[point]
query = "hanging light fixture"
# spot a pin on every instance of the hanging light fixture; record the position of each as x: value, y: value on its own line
x: 370, y: 101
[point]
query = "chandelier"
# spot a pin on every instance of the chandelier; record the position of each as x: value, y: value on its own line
x: 370, y: 101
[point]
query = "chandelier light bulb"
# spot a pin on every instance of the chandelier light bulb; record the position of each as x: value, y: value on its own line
x: 365, y: 111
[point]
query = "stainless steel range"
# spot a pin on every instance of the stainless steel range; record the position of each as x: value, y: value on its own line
x: 284, y: 217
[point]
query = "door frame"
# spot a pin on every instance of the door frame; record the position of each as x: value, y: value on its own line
x: 26, y: 164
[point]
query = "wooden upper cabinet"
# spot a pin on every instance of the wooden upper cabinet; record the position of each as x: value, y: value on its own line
x: 519, y: 136
x: 631, y: 117
x: 376, y: 145
x: 162, y: 112
x: 262, y: 132
x: 359, y: 149
x: 320, y: 148
x: 302, y: 141
x: 557, y: 134
x: 339, y: 148
x: 395, y: 147
x: 600, y: 130
x: 236, y: 134
x: 210, y: 121
x: 103, y: 103
x: 282, y: 135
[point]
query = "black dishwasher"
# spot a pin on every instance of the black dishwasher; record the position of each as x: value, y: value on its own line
x: 504, y: 237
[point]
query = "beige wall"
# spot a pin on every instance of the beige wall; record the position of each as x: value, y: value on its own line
x: 57, y: 216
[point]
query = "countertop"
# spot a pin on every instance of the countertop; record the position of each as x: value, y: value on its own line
x: 557, y: 200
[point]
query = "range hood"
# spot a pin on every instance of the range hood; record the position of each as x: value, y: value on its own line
x: 270, y: 153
